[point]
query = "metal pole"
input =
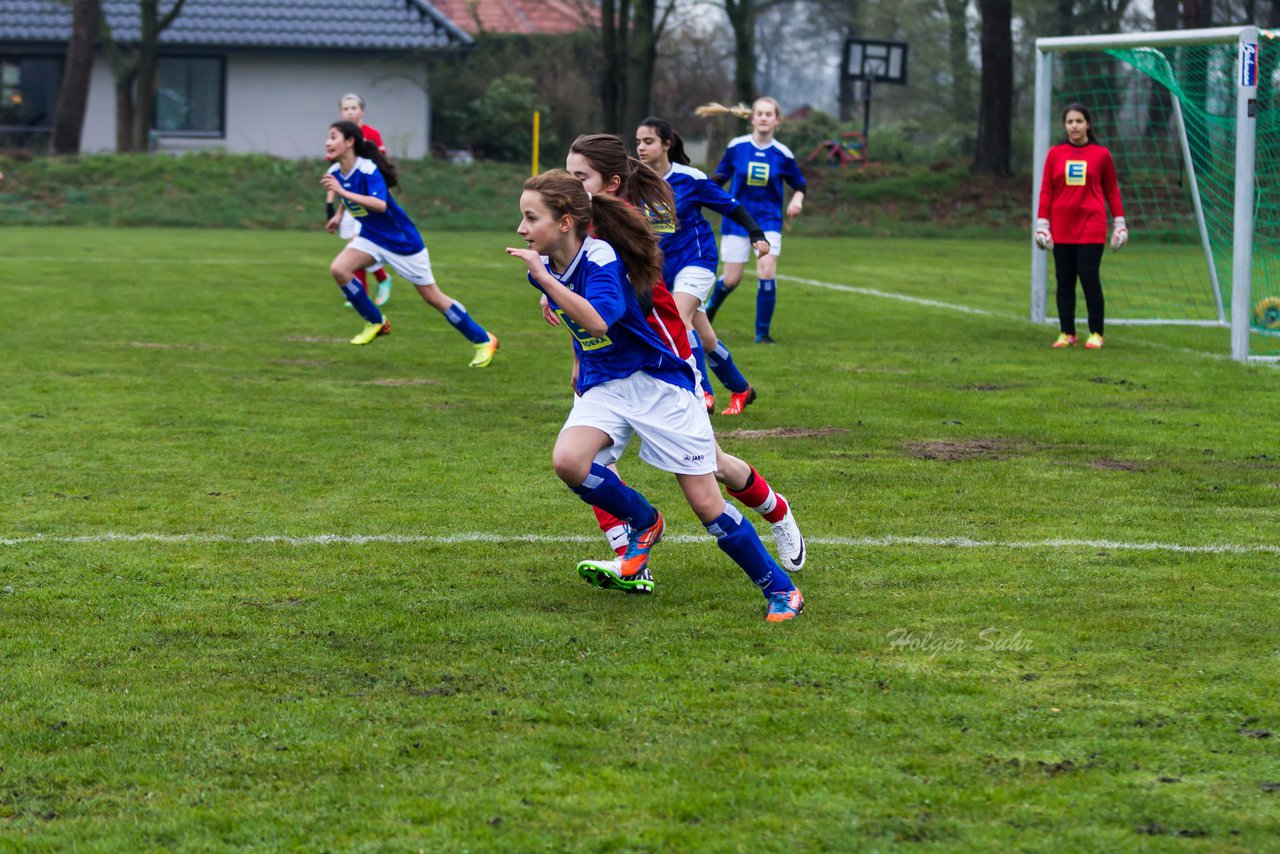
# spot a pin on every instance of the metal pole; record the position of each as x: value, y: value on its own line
x: 536, y: 122
x: 1246, y: 143
x: 866, y: 116
x: 1040, y: 258
x: 1199, y: 208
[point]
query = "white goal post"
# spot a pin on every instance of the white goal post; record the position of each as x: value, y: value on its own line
x: 1242, y: 226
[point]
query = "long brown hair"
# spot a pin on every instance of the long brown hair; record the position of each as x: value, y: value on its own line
x: 639, y: 184
x: 368, y: 150
x: 613, y: 220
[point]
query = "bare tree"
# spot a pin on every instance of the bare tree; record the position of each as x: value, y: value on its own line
x: 742, y: 20
x: 995, y: 108
x: 957, y: 12
x: 629, y: 36
x: 134, y: 67
x: 73, y: 94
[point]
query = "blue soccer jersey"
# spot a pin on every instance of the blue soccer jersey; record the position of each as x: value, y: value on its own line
x: 597, y: 275
x: 755, y: 178
x: 391, y: 229
x: 692, y: 243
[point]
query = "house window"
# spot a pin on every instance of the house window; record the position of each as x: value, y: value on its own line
x: 28, y: 96
x: 189, y: 96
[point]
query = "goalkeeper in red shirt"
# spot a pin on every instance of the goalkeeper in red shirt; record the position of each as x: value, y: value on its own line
x: 1078, y: 186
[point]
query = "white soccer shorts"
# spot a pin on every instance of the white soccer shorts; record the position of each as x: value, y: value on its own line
x: 736, y: 248
x: 415, y: 268
x: 695, y: 281
x: 675, y: 432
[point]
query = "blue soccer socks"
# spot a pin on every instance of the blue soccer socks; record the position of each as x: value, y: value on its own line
x: 474, y: 332
x: 726, y: 371
x: 604, y: 489
x: 700, y: 354
x: 360, y: 301
x: 717, y: 298
x: 739, y: 540
x: 766, y: 299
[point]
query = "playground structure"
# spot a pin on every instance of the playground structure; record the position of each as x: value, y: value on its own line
x: 849, y: 149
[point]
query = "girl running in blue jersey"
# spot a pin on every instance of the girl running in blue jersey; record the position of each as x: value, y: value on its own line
x: 756, y: 166
x: 591, y: 158
x: 361, y: 177
x: 351, y: 106
x: 629, y: 382
x: 689, y: 247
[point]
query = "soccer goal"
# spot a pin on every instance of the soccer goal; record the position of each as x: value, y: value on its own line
x: 1192, y: 120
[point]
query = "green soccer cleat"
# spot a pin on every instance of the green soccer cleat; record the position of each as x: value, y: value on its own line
x: 602, y: 574
x: 485, y: 351
x: 372, y: 331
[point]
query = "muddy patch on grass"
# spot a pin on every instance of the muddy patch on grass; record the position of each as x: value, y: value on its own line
x: 786, y: 433
x: 970, y: 449
x: 983, y: 387
x: 1118, y: 465
x: 401, y: 381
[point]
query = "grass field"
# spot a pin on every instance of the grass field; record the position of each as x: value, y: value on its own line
x: 262, y: 589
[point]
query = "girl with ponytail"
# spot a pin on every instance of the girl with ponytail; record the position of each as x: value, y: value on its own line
x: 601, y: 163
x: 756, y: 167
x: 351, y: 107
x: 689, y: 249
x: 361, y: 177
x: 593, y: 256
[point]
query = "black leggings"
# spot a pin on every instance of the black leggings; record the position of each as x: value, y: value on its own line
x: 1083, y: 260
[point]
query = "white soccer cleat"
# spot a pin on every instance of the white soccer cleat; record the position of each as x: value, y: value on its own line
x: 789, y: 540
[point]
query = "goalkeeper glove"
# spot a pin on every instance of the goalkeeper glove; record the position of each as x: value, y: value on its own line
x: 1043, y: 238
x: 1119, y: 234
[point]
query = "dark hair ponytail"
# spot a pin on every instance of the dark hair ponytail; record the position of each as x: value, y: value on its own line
x: 638, y: 184
x: 667, y: 133
x: 368, y: 150
x: 1088, y: 118
x: 613, y: 220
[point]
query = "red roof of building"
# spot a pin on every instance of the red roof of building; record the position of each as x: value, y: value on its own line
x: 518, y: 16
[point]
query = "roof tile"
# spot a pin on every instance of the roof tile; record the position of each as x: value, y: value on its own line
x: 326, y: 24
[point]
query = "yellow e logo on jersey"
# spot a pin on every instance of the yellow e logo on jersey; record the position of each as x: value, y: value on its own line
x: 661, y: 220
x: 758, y: 174
x: 585, y: 338
x: 1076, y: 171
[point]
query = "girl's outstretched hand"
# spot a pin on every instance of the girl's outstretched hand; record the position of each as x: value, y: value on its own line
x: 530, y: 257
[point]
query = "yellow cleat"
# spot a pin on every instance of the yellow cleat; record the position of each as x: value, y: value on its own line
x: 1064, y: 340
x: 485, y: 351
x: 372, y: 331
x: 1094, y: 342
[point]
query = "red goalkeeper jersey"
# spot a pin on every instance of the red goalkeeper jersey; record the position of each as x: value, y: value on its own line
x: 1078, y: 186
x: 371, y: 133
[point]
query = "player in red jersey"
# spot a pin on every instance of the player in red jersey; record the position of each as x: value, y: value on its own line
x: 1078, y: 186
x: 591, y: 158
x: 351, y: 106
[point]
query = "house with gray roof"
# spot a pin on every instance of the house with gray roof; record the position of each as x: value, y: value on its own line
x: 238, y: 75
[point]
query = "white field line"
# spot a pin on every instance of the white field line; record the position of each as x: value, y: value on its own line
x: 966, y: 309
x: 477, y: 537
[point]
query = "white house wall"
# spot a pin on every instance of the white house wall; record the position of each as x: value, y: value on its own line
x: 283, y: 104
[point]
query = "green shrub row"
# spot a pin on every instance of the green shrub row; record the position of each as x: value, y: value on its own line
x: 261, y: 192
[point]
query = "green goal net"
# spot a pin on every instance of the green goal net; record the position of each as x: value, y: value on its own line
x: 1167, y: 111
